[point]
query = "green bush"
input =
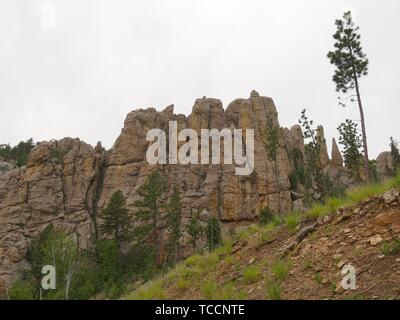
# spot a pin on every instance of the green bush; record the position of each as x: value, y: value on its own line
x: 58, y: 155
x: 18, y: 153
x: 266, y: 215
x: 209, y: 288
x: 292, y: 221
x: 213, y: 233
x: 273, y: 290
x: 21, y: 290
x: 280, y: 269
x: 251, y: 275
x: 109, y: 263
x: 139, y: 262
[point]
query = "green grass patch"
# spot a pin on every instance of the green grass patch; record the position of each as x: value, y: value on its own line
x: 183, y: 284
x: 353, y: 196
x: 363, y: 192
x: 292, y: 220
x: 209, y: 288
x: 280, y: 269
x: 273, y: 290
x: 318, y: 278
x: 153, y: 291
x: 229, y: 292
x: 390, y: 248
x: 251, y: 274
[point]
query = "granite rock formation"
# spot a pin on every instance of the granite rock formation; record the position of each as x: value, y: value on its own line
x: 68, y: 182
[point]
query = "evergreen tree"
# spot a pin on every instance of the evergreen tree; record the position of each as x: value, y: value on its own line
x: 394, y: 151
x: 351, y: 141
x: 314, y: 169
x: 272, y: 145
x: 213, y: 233
x: 19, y: 153
x: 174, y: 223
x: 117, y: 219
x: 351, y: 64
x: 148, y: 211
x: 194, y: 229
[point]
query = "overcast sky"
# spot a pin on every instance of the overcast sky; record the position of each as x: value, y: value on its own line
x: 79, y: 74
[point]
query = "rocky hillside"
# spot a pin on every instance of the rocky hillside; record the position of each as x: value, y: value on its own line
x: 300, y: 259
x: 68, y: 182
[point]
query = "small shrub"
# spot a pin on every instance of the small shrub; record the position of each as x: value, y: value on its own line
x: 58, y: 155
x: 182, y: 284
x: 266, y: 215
x: 318, y: 278
x: 280, y: 269
x: 21, y: 290
x: 390, y: 248
x: 208, y: 289
x: 213, y: 233
x: 277, y: 220
x: 193, y: 260
x: 154, y: 291
x: 273, y: 290
x: 251, y: 275
x: 229, y: 292
x: 292, y: 221
x: 226, y: 249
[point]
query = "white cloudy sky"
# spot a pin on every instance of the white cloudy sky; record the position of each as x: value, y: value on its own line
x: 107, y: 57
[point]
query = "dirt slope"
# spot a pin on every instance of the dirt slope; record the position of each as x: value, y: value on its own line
x: 274, y: 263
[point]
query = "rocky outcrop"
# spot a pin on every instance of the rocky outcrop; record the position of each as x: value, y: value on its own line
x: 212, y: 187
x: 323, y: 151
x: 68, y: 182
x: 58, y: 186
x: 384, y: 164
x: 6, y: 166
x: 337, y: 159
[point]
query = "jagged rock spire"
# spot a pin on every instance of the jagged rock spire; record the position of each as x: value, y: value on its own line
x: 337, y: 159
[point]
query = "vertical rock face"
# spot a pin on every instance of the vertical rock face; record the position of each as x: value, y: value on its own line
x: 57, y: 186
x: 68, y: 182
x: 384, y: 164
x: 295, y: 146
x: 215, y: 188
x: 323, y: 152
x: 337, y: 159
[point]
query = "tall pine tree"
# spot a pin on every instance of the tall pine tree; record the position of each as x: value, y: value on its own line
x: 272, y: 145
x: 148, y: 211
x: 174, y: 224
x: 351, y: 64
x: 117, y: 220
x: 351, y: 141
x: 213, y: 233
x: 194, y: 229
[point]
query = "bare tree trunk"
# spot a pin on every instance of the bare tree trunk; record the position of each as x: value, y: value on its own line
x: 364, y: 132
x: 70, y: 274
